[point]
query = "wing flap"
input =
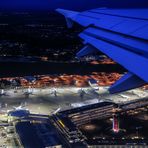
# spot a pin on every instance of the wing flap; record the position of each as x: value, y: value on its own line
x: 124, y: 57
x: 134, y: 44
x: 127, y: 82
x: 87, y: 50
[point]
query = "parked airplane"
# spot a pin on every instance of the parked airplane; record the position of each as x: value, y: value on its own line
x: 56, y: 111
x: 29, y: 92
x: 93, y: 84
x: 124, y: 96
x: 3, y: 93
x: 21, y: 107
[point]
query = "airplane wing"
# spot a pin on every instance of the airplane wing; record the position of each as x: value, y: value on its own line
x: 121, y: 34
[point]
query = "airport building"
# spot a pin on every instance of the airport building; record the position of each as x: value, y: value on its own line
x: 99, y: 125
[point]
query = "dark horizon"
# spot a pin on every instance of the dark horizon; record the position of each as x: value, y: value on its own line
x: 46, y: 5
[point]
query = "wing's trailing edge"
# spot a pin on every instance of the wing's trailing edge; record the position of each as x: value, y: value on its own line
x: 119, y: 33
x: 127, y: 82
x: 87, y: 50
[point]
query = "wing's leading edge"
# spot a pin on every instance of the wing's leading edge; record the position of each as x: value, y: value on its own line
x: 119, y: 33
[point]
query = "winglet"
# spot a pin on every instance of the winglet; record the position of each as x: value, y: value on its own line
x: 69, y: 16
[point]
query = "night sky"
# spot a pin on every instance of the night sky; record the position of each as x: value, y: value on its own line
x: 68, y: 4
